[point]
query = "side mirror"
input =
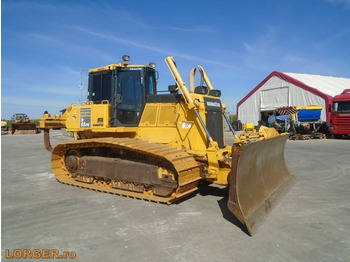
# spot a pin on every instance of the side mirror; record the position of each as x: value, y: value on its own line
x: 172, y: 89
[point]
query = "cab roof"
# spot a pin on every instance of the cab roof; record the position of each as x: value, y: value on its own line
x: 115, y: 66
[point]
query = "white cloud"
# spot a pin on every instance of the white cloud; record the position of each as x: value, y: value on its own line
x: 294, y: 59
x: 63, y: 81
x: 71, y: 71
x: 54, y: 89
x: 198, y: 29
x: 45, y: 38
x: 130, y: 17
x: 25, y: 101
x: 262, y: 44
x: 151, y: 47
x: 30, y: 5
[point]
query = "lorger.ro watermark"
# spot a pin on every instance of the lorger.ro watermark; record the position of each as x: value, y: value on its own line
x: 39, y: 254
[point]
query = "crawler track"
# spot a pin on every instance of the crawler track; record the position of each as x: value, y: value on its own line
x: 182, y: 167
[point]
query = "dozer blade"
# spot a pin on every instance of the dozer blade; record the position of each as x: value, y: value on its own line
x: 258, y: 181
x: 23, y: 128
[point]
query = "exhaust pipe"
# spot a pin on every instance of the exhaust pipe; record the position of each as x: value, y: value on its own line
x: 192, y: 74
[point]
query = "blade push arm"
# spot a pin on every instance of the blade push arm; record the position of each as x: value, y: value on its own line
x: 186, y: 94
x: 179, y: 81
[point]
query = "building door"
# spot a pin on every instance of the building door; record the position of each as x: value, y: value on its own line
x: 275, y: 97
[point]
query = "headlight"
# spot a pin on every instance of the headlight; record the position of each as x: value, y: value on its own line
x: 126, y: 58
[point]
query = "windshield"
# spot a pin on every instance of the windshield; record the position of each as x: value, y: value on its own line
x: 132, y: 90
x: 19, y: 116
x: 341, y: 106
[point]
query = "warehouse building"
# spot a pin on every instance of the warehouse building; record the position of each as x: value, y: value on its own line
x: 290, y: 89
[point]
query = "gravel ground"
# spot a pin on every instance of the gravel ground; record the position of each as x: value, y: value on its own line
x: 312, y: 223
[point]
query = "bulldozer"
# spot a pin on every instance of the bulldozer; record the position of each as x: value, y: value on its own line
x: 132, y: 140
x: 4, y: 127
x: 21, y: 124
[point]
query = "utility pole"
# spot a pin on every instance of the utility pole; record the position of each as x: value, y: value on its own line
x: 81, y: 85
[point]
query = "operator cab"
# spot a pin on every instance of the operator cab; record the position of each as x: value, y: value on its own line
x: 19, y: 117
x: 125, y: 87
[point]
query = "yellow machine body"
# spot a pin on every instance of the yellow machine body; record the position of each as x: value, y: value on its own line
x: 166, y: 123
x: 180, y: 138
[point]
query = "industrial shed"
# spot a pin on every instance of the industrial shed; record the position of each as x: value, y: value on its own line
x: 290, y: 89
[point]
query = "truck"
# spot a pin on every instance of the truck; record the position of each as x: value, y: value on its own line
x: 340, y: 118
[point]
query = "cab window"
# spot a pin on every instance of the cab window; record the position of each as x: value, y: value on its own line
x: 101, y: 87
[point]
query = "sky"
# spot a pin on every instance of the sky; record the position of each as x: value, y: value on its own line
x: 45, y: 44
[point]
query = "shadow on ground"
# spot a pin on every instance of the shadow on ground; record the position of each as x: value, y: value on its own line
x: 208, y: 189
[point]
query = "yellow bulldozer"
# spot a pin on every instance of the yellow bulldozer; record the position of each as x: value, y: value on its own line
x: 4, y: 126
x: 21, y: 124
x: 133, y: 141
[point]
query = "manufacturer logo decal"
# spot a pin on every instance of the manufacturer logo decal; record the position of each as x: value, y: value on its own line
x: 85, y: 117
x: 213, y: 104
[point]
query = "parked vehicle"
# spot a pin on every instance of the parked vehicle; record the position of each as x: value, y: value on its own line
x: 301, y: 122
x: 21, y: 124
x: 340, y: 119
